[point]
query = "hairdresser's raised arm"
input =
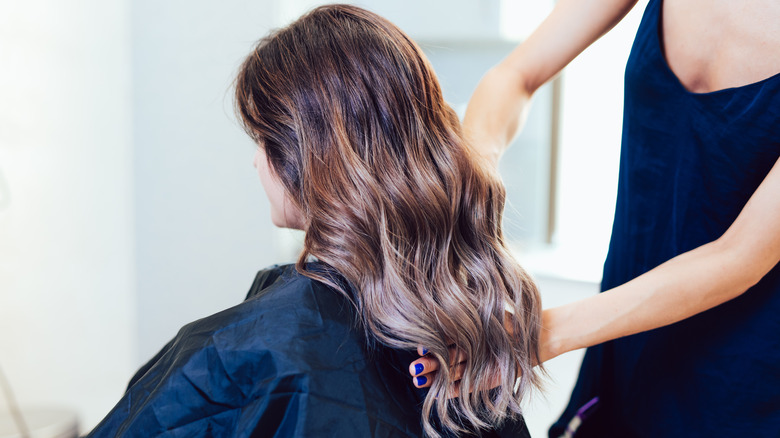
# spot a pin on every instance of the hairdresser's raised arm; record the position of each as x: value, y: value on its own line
x: 497, y: 109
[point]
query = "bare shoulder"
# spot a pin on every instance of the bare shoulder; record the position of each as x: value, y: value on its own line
x: 715, y: 44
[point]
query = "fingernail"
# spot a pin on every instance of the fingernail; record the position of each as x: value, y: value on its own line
x: 418, y: 368
x: 425, y: 351
x: 421, y: 380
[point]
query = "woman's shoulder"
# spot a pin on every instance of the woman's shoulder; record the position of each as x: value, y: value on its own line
x: 283, y: 308
x: 285, y: 286
x: 265, y: 278
x: 284, y: 311
x: 283, y: 339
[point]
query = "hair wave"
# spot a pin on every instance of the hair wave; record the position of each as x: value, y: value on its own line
x: 352, y: 120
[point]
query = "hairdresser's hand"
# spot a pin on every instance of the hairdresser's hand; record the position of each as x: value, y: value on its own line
x: 424, y: 369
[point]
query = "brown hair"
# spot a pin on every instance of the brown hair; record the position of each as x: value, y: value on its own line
x: 352, y: 120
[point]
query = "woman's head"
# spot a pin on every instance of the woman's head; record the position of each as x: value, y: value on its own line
x: 352, y: 122
x: 339, y: 90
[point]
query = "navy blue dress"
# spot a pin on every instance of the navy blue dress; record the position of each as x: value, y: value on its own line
x: 689, y: 163
x: 290, y: 361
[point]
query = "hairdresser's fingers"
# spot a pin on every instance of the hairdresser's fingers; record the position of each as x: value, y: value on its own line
x: 428, y: 363
x: 423, y: 381
x: 423, y: 366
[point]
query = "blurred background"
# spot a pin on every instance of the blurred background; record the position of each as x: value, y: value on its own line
x: 129, y: 205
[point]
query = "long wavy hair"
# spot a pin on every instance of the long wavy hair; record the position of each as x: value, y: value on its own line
x: 353, y: 122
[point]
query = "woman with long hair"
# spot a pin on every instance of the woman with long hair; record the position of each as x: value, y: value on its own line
x: 402, y: 222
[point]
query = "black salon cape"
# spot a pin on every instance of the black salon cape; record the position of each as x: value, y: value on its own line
x: 287, y: 362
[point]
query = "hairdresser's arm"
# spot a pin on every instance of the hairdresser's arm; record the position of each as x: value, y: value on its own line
x: 497, y: 109
x: 682, y: 287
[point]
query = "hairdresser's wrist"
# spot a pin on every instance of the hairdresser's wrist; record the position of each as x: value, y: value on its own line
x: 551, y: 342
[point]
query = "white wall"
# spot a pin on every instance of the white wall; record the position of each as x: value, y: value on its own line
x: 66, y: 274
x: 590, y: 149
x: 134, y: 207
x: 201, y: 218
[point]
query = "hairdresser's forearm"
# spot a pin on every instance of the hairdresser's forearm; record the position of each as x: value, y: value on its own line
x: 682, y: 287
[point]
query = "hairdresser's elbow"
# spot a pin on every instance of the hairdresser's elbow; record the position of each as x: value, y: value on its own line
x: 746, y: 263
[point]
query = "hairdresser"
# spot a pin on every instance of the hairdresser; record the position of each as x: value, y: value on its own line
x: 692, y: 288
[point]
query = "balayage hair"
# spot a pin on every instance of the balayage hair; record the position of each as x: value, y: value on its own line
x: 352, y: 119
